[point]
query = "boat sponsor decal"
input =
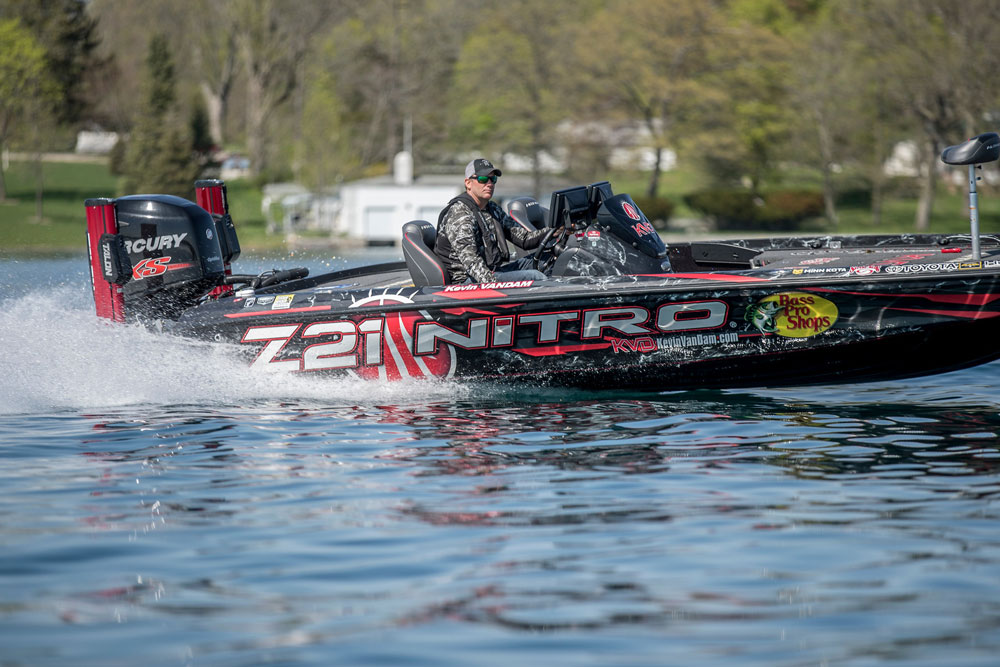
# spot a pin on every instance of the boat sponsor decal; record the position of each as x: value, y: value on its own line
x: 592, y: 235
x: 991, y: 263
x: 411, y: 344
x: 643, y: 228
x: 970, y: 265
x: 149, y: 267
x: 923, y: 268
x: 792, y: 314
x: 165, y: 242
x: 727, y: 337
x: 510, y: 284
x: 650, y: 344
x: 264, y: 300
x: 818, y: 260
x: 282, y: 302
x: 482, y: 290
x: 820, y: 269
x: 249, y: 302
x: 864, y: 270
x: 379, y: 347
x: 631, y: 212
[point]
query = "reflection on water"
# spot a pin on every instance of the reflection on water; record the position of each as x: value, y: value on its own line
x: 159, y: 502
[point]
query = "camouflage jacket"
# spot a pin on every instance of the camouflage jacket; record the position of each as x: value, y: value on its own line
x: 472, y: 243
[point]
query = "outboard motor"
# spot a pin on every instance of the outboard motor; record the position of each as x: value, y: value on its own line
x: 618, y: 240
x: 152, y: 256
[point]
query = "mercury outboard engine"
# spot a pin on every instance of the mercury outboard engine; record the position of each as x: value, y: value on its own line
x: 153, y: 256
x: 611, y: 235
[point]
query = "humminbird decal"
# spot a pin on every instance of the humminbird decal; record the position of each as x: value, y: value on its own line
x: 413, y: 344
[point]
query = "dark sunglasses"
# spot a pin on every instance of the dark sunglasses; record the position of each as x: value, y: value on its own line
x: 492, y: 178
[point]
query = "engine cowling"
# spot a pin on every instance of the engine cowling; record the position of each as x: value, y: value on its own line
x: 164, y: 254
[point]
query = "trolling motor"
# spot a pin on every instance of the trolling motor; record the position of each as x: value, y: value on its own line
x: 974, y: 152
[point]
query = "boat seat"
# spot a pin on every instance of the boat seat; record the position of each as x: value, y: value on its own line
x: 528, y: 213
x: 425, y: 267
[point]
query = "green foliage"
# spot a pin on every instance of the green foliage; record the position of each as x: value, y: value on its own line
x: 68, y: 36
x: 22, y: 68
x: 201, y: 135
x: 741, y: 209
x: 69, y: 184
x: 159, y: 158
x: 511, y: 95
x: 26, y: 90
x: 657, y: 209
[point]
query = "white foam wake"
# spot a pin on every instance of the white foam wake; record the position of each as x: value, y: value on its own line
x: 58, y: 355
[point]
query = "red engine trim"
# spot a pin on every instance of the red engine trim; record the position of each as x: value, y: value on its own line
x: 211, y: 195
x: 108, y: 297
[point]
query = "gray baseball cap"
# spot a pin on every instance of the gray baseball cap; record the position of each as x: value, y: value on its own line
x: 481, y: 167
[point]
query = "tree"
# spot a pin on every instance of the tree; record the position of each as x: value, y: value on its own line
x: 215, y: 57
x: 749, y: 131
x: 25, y: 86
x: 935, y: 57
x: 845, y: 116
x: 376, y: 72
x: 159, y: 156
x: 273, y: 39
x: 68, y: 36
x: 651, y: 61
x: 510, y: 76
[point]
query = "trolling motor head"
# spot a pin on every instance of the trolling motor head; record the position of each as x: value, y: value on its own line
x: 974, y: 152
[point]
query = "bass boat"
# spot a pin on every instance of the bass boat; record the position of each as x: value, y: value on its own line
x: 618, y: 309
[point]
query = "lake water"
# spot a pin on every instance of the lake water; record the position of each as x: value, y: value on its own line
x: 162, y: 504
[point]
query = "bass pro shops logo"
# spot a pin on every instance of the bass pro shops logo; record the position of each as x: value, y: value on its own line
x: 792, y: 314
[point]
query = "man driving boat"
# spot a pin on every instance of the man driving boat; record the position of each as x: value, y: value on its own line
x: 473, y: 231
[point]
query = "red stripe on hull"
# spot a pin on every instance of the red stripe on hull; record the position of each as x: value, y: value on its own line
x: 556, y: 350
x: 258, y: 313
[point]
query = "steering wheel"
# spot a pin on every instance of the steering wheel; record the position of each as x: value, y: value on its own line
x: 553, y: 236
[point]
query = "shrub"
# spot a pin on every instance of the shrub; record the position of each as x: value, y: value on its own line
x: 657, y: 209
x: 855, y: 198
x: 740, y: 209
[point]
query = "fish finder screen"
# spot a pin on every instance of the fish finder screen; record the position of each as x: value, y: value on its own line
x: 569, y: 206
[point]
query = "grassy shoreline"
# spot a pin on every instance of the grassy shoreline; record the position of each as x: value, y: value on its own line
x: 68, y: 184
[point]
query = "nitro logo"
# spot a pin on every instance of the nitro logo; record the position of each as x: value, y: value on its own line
x: 149, y: 267
x: 631, y: 211
x: 165, y: 242
x: 379, y: 347
x: 792, y: 314
x: 411, y: 344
